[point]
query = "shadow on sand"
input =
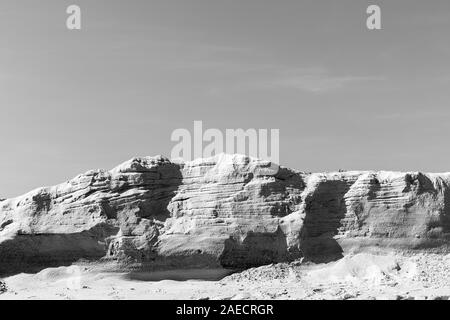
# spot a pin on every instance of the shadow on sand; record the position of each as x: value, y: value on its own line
x: 181, y: 275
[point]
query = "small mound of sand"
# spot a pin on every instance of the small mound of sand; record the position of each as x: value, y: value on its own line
x: 279, y: 271
x: 60, y: 273
x: 358, y: 267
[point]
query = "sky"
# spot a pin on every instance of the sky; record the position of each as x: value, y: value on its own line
x: 342, y: 96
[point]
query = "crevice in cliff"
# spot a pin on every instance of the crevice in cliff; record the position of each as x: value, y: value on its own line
x: 324, y: 209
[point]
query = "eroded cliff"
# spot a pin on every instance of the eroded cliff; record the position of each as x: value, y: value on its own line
x: 228, y: 211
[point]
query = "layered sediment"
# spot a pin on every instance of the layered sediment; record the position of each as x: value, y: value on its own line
x: 226, y: 211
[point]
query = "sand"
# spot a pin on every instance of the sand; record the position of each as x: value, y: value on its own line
x: 358, y: 276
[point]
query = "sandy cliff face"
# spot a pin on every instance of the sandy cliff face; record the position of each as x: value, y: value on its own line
x: 225, y: 211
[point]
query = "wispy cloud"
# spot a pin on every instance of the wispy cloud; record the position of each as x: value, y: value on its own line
x: 309, y: 80
x: 247, y: 69
x: 439, y: 113
x: 320, y: 82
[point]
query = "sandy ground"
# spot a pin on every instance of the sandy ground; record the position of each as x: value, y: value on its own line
x: 359, y: 276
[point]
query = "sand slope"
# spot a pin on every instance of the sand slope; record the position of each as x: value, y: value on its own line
x: 359, y: 276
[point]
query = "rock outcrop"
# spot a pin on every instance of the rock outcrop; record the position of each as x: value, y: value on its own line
x: 228, y: 211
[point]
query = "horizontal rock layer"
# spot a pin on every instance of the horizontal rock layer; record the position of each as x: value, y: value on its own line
x: 229, y: 210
